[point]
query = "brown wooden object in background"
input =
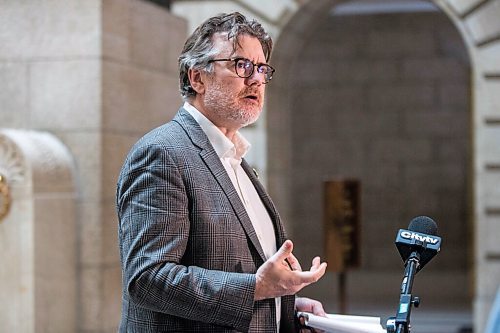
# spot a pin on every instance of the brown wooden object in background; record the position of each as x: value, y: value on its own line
x: 342, y: 226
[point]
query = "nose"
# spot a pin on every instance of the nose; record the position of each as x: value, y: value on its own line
x: 255, y: 79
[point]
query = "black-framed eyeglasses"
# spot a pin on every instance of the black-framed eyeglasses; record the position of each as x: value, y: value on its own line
x: 244, y: 68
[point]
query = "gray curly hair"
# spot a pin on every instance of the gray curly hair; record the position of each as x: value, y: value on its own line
x: 199, y: 47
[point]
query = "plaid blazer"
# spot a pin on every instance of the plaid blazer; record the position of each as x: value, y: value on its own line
x: 187, y: 246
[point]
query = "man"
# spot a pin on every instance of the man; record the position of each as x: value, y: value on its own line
x: 202, y: 246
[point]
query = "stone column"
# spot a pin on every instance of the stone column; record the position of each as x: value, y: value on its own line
x: 37, y: 234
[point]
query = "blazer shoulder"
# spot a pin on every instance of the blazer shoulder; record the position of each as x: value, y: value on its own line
x: 182, y: 130
x: 165, y: 135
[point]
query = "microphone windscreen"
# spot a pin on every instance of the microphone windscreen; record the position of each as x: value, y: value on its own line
x: 424, y: 225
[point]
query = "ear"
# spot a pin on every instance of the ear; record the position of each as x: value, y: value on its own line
x: 196, y: 78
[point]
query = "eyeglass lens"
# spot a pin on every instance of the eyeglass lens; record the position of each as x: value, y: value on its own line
x: 244, y: 68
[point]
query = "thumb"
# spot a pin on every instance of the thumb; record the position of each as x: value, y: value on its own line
x: 284, y: 251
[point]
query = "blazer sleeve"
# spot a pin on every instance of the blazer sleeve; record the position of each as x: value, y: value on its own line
x: 154, y: 227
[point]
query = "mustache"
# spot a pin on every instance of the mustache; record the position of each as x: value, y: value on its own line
x: 251, y: 91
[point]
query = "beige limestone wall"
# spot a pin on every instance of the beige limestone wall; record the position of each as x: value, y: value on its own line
x: 75, y: 47
x: 480, y: 28
x: 385, y: 99
x: 475, y: 21
x: 98, y: 75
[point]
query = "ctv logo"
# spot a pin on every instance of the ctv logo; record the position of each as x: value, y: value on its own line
x: 413, y: 235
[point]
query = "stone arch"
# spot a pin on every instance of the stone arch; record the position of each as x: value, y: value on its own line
x: 477, y: 22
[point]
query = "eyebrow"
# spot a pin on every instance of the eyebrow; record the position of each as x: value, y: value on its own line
x: 242, y: 57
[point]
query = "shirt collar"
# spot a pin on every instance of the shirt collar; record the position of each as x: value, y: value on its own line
x: 237, y: 148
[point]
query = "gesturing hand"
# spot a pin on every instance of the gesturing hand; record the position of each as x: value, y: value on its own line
x: 276, y: 278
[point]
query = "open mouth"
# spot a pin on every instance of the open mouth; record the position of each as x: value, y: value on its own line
x: 252, y: 97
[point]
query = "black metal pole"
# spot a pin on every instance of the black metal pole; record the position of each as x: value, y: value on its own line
x: 406, y: 299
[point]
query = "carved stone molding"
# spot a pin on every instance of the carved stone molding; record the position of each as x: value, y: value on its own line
x: 4, y: 198
x: 12, y: 165
x: 11, y: 171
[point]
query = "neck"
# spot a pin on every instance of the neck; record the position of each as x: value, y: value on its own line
x: 227, y: 132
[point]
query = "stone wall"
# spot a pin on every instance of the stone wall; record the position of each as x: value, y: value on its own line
x: 476, y: 22
x: 62, y: 63
x: 385, y: 99
x: 98, y: 75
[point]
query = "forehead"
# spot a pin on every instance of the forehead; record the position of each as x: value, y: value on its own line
x: 247, y: 46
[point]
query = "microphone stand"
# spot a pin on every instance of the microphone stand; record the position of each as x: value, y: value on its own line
x: 401, y: 323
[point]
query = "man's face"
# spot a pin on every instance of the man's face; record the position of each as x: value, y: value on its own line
x: 230, y: 101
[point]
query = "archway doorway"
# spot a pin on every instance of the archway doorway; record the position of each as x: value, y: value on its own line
x: 383, y: 98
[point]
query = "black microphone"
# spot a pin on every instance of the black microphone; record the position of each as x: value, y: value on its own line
x: 420, y: 240
x: 417, y: 246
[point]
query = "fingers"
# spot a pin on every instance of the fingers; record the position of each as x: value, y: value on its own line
x: 311, y: 276
x: 317, y: 309
x: 294, y: 263
x: 282, y: 274
x: 303, y: 278
x: 284, y: 251
x: 316, y: 263
x: 309, y: 305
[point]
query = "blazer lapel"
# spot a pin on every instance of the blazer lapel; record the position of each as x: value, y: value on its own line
x: 268, y: 203
x: 213, y: 163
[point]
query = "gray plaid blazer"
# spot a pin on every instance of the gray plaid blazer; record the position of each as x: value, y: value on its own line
x: 187, y: 246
